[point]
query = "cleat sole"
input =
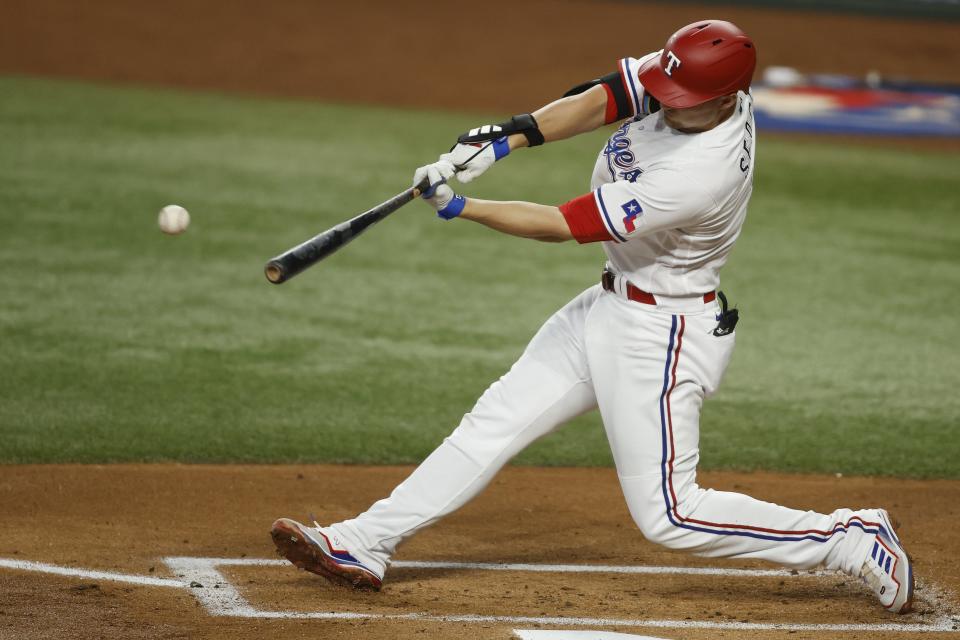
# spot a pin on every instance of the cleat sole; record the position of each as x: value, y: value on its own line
x: 293, y: 544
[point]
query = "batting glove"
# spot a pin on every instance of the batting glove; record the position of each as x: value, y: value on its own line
x: 443, y: 169
x: 471, y: 160
x: 441, y: 197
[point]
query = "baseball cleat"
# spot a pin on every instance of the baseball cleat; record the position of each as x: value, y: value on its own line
x: 319, y: 551
x: 888, y: 570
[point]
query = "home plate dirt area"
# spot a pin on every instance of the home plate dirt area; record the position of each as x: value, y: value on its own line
x: 173, y: 551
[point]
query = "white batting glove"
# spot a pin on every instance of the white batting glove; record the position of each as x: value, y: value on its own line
x: 440, y: 196
x: 443, y: 169
x: 471, y: 160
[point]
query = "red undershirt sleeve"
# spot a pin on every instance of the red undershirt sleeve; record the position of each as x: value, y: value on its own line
x: 583, y: 219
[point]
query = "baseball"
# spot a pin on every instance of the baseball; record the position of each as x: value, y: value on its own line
x: 173, y: 219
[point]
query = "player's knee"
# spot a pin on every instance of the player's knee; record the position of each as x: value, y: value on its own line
x: 653, y: 523
x: 658, y: 530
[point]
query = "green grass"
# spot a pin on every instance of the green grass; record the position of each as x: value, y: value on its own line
x: 118, y: 343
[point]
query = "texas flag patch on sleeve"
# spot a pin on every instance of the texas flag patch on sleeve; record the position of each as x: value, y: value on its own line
x: 632, y: 210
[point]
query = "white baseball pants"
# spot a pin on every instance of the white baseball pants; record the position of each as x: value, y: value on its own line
x: 648, y: 369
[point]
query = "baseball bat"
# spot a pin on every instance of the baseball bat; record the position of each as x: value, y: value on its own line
x: 304, y: 255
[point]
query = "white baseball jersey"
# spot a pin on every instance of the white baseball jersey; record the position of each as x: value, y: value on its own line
x: 667, y: 205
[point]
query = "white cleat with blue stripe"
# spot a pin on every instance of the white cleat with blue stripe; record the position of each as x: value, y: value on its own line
x: 888, y: 570
x: 320, y: 551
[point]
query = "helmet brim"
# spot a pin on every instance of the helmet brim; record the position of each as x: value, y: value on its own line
x: 665, y: 89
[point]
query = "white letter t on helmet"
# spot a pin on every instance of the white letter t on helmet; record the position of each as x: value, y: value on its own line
x: 672, y: 62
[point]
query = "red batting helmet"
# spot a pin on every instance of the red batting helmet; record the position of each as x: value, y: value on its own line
x: 701, y: 61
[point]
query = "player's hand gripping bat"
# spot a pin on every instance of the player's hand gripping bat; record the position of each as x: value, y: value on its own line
x: 293, y: 261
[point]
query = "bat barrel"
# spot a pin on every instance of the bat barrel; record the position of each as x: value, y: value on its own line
x: 288, y: 264
x: 274, y: 272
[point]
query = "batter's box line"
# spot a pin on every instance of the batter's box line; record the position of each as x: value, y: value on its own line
x: 221, y: 598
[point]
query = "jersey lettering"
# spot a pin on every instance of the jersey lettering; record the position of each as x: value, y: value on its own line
x: 621, y: 161
x: 747, y: 144
x: 618, y: 150
x: 672, y: 63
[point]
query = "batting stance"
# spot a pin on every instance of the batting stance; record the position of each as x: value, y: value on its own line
x: 646, y: 345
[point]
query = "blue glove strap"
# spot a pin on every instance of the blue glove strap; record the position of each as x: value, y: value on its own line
x: 453, y: 208
x: 430, y: 191
x: 501, y: 148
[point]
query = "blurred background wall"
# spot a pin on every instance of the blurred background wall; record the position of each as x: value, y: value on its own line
x: 499, y: 55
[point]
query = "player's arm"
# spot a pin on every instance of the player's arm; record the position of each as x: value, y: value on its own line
x: 479, y: 148
x: 615, y: 212
x: 590, y: 105
x: 523, y: 219
x: 567, y: 117
x: 586, y: 107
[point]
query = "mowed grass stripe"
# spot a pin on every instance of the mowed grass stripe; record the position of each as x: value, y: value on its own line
x: 121, y: 344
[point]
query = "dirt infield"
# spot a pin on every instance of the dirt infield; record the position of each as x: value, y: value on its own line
x: 127, y: 518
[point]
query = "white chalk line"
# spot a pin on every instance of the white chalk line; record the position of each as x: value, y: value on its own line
x: 221, y: 598
x: 42, y: 567
x: 594, y: 568
x: 225, y: 600
x: 544, y: 568
x: 565, y: 634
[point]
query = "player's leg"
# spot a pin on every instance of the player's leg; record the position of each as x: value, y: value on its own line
x: 650, y: 382
x: 548, y: 385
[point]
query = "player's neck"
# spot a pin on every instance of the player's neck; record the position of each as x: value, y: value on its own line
x: 721, y: 116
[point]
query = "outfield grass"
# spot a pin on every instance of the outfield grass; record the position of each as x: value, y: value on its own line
x: 119, y: 343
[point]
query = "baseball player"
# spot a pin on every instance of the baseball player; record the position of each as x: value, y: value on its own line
x: 646, y: 345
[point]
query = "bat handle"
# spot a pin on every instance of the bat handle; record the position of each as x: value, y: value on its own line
x: 421, y: 188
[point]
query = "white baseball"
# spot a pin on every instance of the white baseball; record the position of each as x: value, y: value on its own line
x: 173, y: 219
